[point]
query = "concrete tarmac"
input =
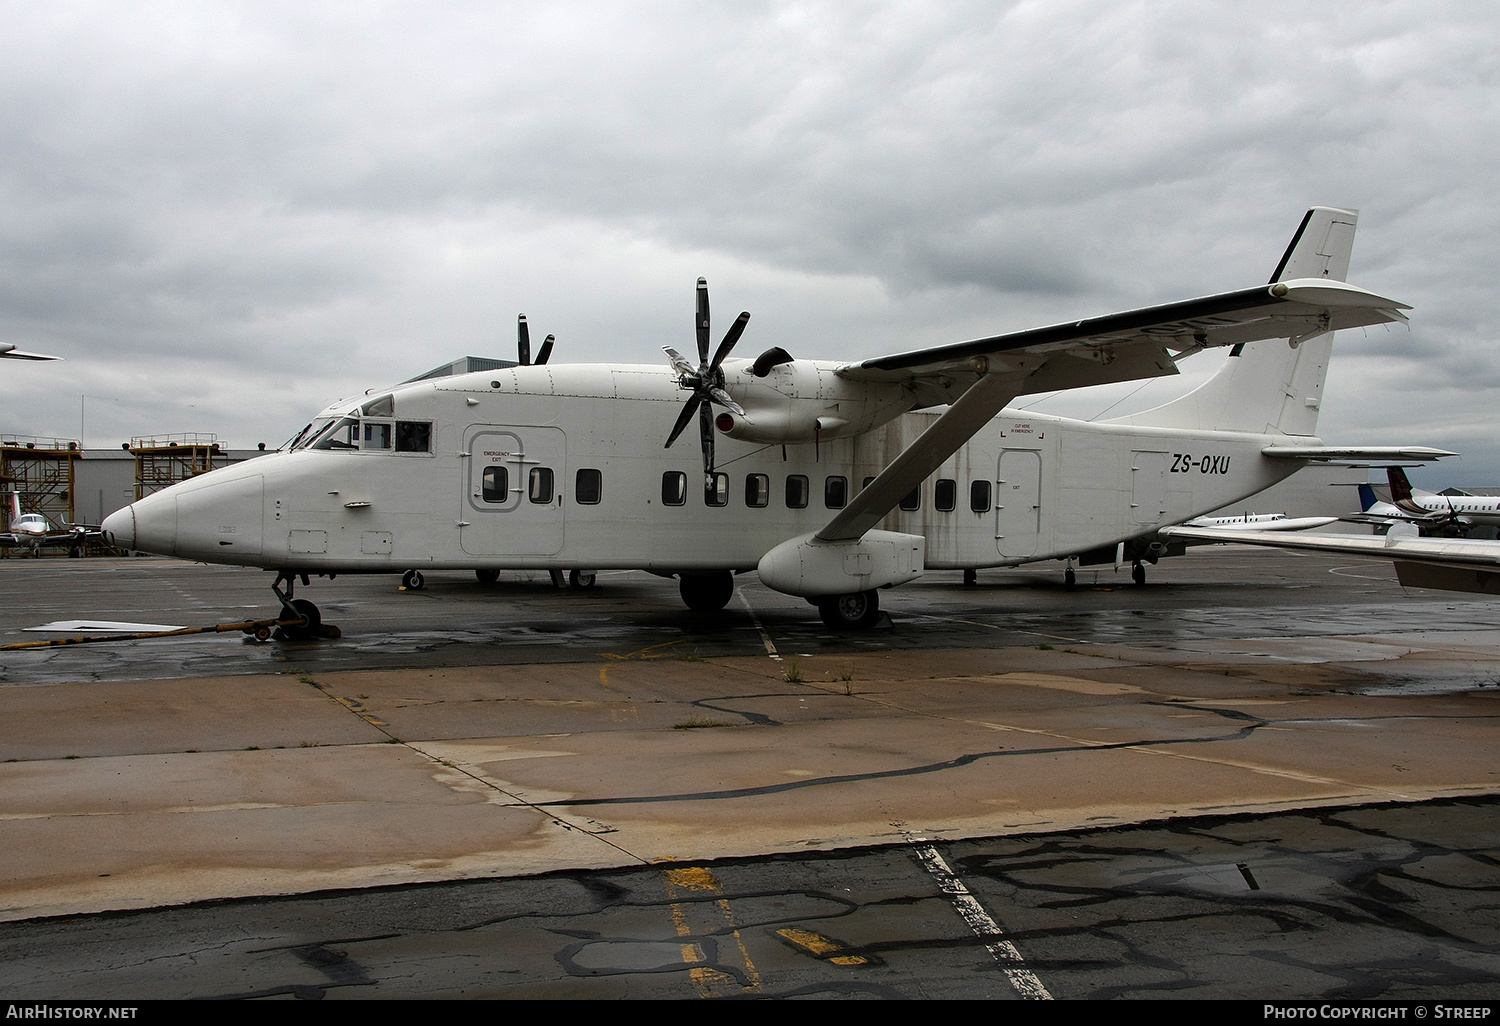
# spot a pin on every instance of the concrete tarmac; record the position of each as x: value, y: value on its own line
x: 463, y: 732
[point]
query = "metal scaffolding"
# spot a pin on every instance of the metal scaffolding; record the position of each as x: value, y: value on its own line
x: 164, y: 460
x: 42, y: 471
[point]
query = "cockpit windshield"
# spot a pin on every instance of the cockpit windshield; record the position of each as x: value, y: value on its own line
x: 307, y: 435
x: 342, y: 435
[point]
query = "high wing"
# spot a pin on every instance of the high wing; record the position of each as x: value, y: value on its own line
x: 10, y: 352
x: 982, y: 376
x: 1448, y: 564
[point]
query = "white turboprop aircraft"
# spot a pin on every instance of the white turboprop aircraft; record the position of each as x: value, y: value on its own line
x: 562, y: 467
x: 1425, y: 509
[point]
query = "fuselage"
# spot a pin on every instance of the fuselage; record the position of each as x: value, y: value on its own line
x: 563, y: 467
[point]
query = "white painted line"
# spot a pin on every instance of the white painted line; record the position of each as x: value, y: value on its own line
x: 765, y: 639
x: 985, y: 928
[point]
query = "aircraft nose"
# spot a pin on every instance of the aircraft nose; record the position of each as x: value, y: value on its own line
x: 119, y: 528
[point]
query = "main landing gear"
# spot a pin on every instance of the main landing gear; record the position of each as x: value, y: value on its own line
x: 1138, y: 572
x: 855, y: 611
x: 706, y: 593
x: 300, y: 619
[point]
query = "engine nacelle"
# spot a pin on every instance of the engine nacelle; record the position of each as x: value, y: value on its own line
x: 811, y: 568
x: 803, y: 401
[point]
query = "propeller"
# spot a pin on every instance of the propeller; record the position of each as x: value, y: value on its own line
x: 523, y: 344
x: 706, y: 381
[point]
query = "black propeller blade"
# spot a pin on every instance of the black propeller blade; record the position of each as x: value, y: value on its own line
x: 523, y: 344
x: 706, y: 381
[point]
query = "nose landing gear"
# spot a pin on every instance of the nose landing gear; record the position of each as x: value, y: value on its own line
x: 300, y: 619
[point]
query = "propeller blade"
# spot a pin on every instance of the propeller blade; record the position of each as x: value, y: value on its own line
x: 681, y: 366
x: 706, y: 431
x: 701, y: 322
x: 722, y: 398
x: 523, y: 341
x: 688, y: 409
x: 731, y: 337
x: 546, y: 350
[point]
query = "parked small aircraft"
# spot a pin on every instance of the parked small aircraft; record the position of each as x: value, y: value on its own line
x: 1425, y: 509
x: 562, y: 468
x: 35, y: 532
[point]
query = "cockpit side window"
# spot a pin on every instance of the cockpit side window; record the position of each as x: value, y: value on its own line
x: 413, y: 436
x: 377, y: 435
x: 385, y: 406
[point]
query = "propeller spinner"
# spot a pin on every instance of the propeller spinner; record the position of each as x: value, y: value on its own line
x: 706, y: 381
x: 523, y: 344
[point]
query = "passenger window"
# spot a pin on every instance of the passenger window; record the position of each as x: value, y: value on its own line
x: 757, y: 490
x: 588, y: 486
x: 495, y: 484
x: 912, y: 500
x: 796, y: 491
x: 673, y: 488
x: 945, y: 495
x: 413, y: 436
x: 835, y: 492
x: 377, y: 436
x: 979, y: 496
x: 716, y: 490
x: 539, y: 487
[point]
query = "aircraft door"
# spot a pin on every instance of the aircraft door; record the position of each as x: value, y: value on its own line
x: 1018, y: 502
x: 513, y: 491
x: 1148, y: 488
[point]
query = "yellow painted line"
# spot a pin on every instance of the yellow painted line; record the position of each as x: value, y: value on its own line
x: 818, y: 946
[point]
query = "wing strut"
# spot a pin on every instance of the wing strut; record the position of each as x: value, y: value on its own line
x: 974, y: 409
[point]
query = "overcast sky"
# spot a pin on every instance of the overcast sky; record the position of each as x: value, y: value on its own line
x: 226, y: 215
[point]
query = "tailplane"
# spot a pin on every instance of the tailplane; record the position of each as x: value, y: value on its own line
x: 1271, y: 387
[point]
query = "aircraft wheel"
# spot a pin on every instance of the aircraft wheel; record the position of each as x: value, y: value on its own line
x: 1138, y: 573
x: 706, y: 593
x: 971, y: 578
x: 487, y: 576
x: 312, y: 618
x: 1069, y: 578
x: 850, y: 612
x: 585, y: 579
x: 413, y: 580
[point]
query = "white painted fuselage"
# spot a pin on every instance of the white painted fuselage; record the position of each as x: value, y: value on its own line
x: 1026, y: 487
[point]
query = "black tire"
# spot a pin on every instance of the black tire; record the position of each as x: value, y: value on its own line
x: 855, y: 611
x: 1069, y: 578
x: 706, y: 593
x: 413, y: 580
x: 312, y: 618
x: 1138, y: 573
x: 585, y: 579
x: 487, y: 576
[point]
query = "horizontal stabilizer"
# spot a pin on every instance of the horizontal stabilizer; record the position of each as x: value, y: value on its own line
x: 1379, y: 455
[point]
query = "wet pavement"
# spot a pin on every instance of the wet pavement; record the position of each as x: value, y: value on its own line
x: 1261, y: 775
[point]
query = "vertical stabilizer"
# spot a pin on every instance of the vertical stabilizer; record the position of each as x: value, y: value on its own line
x: 1269, y: 387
